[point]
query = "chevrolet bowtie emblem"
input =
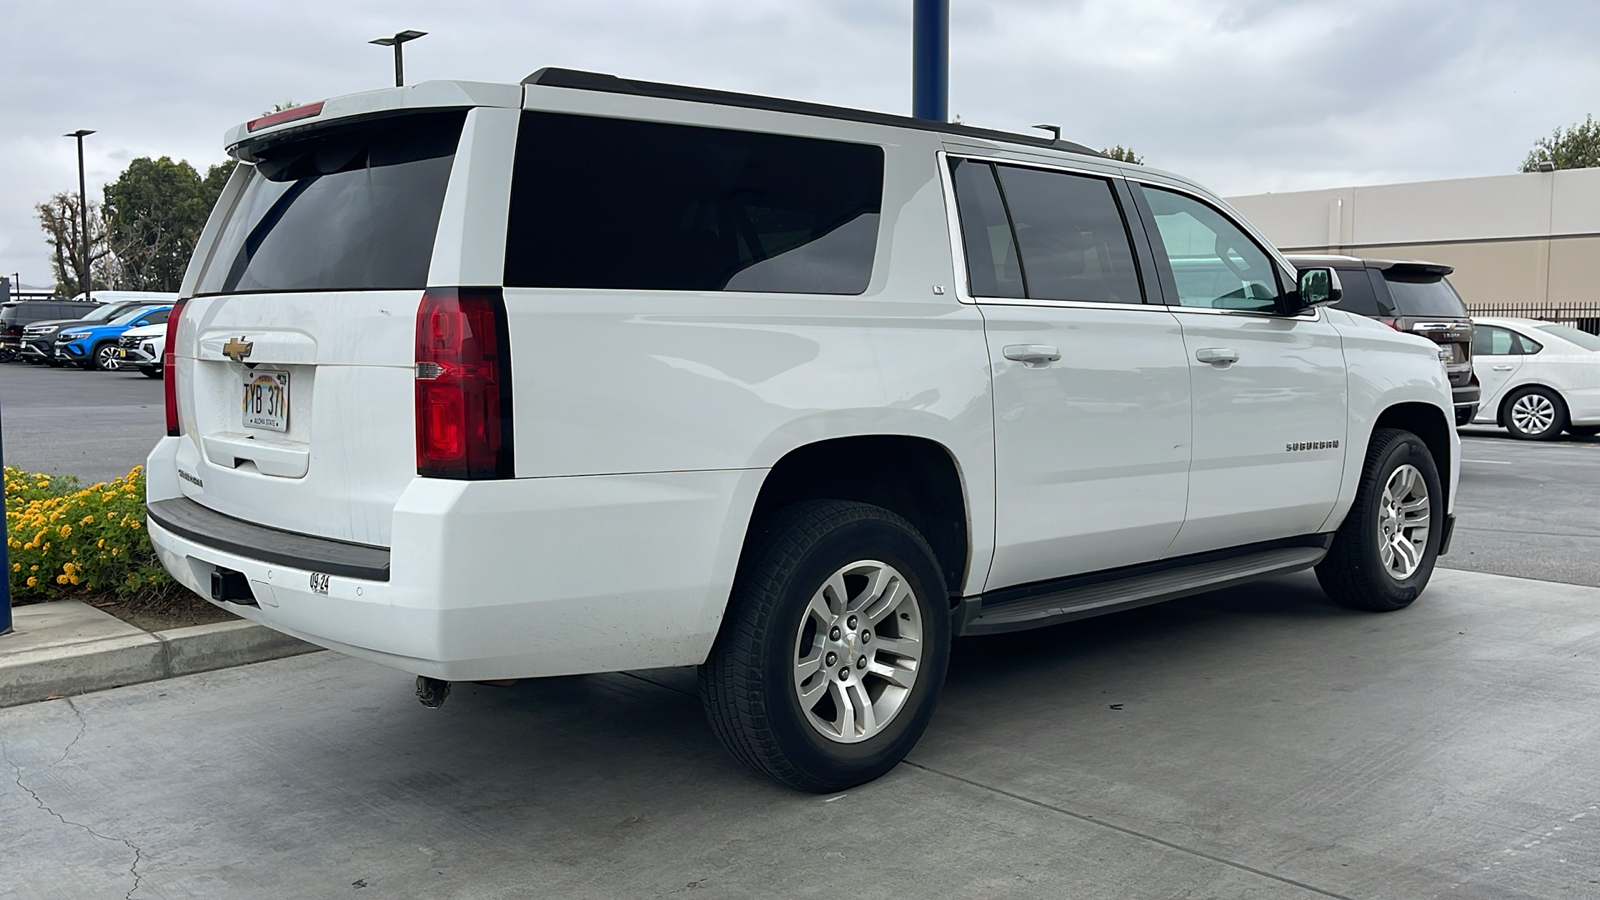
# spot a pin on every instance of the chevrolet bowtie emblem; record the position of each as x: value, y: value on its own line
x: 237, y: 348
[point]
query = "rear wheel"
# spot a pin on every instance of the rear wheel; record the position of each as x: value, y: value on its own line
x: 1383, y: 554
x: 834, y: 650
x: 1535, y: 414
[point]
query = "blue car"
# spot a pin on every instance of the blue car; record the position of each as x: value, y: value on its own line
x: 94, y: 346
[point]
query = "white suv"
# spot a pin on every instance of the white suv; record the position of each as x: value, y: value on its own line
x: 488, y: 381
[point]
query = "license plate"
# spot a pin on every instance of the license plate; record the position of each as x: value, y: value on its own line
x: 123, y: 354
x: 266, y: 401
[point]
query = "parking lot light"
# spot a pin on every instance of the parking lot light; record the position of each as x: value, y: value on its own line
x: 399, y: 38
x: 83, y: 212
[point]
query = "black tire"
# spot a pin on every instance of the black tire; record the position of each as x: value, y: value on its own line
x: 7, y: 354
x: 34, y: 360
x: 1583, y: 430
x: 102, y: 358
x: 747, y: 684
x: 1557, y: 422
x: 151, y: 371
x: 1353, y: 573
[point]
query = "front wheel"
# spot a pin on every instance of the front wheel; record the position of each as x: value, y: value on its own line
x: 104, y: 358
x: 151, y: 371
x: 1583, y: 430
x: 834, y: 650
x: 1383, y: 554
x: 1535, y: 414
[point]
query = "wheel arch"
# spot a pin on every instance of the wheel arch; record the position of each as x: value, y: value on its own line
x: 1427, y: 422
x: 914, y: 477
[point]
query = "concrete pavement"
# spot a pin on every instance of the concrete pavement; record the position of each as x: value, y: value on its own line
x: 1256, y: 742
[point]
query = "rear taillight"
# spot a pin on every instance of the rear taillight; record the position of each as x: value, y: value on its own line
x: 169, y: 370
x: 463, y: 378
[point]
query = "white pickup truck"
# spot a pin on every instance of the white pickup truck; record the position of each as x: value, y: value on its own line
x: 583, y: 374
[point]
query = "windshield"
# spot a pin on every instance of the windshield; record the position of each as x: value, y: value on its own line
x: 1425, y: 296
x: 1566, y: 332
x: 102, y: 313
x: 353, y: 208
x: 130, y: 315
x: 9, y: 314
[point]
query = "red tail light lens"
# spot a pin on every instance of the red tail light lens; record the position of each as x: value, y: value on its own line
x: 169, y: 369
x: 463, y: 385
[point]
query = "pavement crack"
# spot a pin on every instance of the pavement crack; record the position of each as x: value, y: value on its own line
x: 1084, y: 817
x: 138, y: 854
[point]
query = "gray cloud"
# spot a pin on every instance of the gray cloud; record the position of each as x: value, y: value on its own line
x: 1246, y: 95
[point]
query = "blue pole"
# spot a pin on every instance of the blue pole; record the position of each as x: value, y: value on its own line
x: 930, y: 60
x: 5, y: 553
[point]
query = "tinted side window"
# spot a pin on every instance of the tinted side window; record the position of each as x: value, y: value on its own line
x: 1214, y: 263
x: 1359, y: 297
x: 159, y: 317
x: 612, y: 203
x: 992, y: 269
x: 1073, y: 239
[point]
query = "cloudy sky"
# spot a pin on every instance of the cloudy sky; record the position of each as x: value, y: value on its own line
x: 1245, y: 95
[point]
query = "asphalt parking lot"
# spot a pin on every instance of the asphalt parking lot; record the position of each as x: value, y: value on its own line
x: 1254, y: 742
x: 95, y: 425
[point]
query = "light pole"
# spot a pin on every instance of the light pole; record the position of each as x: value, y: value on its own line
x: 930, y: 60
x: 83, y: 212
x: 399, y: 38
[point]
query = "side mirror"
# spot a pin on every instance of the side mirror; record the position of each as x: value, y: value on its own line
x: 1319, y: 286
x: 140, y: 324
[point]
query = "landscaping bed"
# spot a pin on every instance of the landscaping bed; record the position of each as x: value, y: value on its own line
x: 66, y: 540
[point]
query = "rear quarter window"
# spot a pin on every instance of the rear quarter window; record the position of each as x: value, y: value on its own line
x: 614, y: 203
x: 353, y: 207
x: 1359, y: 297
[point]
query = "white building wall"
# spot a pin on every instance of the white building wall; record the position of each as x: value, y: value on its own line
x: 1526, y: 238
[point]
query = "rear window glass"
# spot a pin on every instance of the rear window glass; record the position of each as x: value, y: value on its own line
x: 1582, y: 338
x: 352, y: 208
x: 612, y: 203
x: 1424, y: 296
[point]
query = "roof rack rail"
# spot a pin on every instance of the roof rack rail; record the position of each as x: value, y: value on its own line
x: 611, y: 84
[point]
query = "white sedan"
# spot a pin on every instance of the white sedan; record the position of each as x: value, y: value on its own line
x: 1538, y: 378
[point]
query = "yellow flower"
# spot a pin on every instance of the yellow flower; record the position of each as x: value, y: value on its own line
x: 61, y: 579
x: 136, y: 526
x: 16, y: 567
x: 101, y: 543
x: 66, y: 531
x: 86, y: 520
x: 32, y: 581
x: 73, y: 579
x: 33, y: 568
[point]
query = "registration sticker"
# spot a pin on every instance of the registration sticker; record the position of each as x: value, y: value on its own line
x: 266, y: 401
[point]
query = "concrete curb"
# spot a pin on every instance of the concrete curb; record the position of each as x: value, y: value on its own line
x: 37, y: 674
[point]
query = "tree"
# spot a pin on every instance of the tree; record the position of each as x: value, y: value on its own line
x: 63, y: 231
x: 156, y: 210
x: 1577, y: 147
x: 1124, y: 154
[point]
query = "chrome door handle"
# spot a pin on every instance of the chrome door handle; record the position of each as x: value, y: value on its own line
x: 1503, y: 368
x: 1217, y: 356
x: 1032, y: 355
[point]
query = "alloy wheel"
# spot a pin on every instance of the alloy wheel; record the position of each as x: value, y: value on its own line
x: 857, y: 651
x: 1403, y: 522
x: 1533, y: 413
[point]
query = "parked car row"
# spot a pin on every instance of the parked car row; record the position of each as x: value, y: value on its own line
x: 120, y: 329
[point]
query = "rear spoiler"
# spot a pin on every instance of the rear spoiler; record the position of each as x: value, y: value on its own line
x: 244, y: 140
x: 1416, y: 271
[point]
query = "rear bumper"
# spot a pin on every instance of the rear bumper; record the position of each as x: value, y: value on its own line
x: 496, y: 579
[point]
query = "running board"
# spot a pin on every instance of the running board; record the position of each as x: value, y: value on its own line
x: 1065, y: 604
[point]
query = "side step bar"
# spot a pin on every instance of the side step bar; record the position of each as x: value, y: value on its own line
x: 1055, y: 605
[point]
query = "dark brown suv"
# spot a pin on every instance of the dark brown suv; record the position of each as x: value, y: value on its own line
x: 1414, y: 297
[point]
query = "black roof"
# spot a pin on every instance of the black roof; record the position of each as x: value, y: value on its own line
x: 611, y: 84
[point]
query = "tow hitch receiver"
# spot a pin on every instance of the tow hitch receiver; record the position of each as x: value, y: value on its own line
x: 431, y: 691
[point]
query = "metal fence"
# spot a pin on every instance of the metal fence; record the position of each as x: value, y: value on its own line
x: 1585, y: 317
